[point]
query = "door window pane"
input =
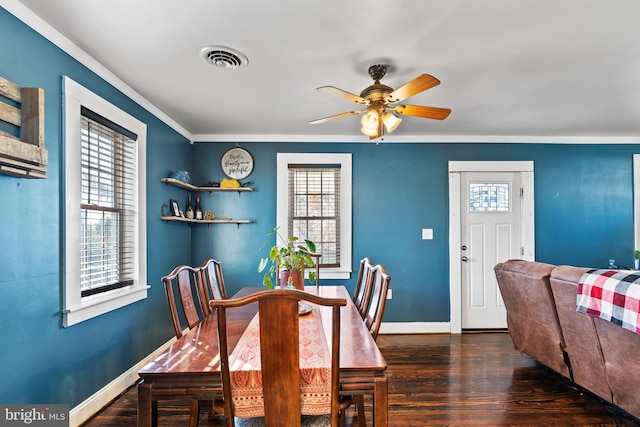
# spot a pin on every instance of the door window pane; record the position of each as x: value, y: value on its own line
x: 489, y: 197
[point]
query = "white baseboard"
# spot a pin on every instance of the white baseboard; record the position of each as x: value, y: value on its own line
x: 415, y: 328
x: 102, y: 397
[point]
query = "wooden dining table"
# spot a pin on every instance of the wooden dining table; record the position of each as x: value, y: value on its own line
x: 190, y: 367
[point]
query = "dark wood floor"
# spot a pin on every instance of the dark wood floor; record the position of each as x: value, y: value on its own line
x: 473, y: 379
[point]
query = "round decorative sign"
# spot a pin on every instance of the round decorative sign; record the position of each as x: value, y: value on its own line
x: 237, y: 163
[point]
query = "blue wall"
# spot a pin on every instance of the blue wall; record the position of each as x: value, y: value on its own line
x: 583, y: 196
x: 40, y: 361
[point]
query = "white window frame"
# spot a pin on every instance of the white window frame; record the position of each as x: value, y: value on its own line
x: 282, y: 201
x: 77, y: 309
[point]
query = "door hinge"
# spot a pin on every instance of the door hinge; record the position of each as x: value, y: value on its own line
x: 521, y: 192
x: 521, y: 250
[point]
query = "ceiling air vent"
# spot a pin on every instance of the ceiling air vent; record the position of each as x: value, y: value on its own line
x: 224, y: 57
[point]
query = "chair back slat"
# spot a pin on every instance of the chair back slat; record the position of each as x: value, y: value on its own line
x: 280, y: 360
x: 362, y: 294
x: 212, y: 283
x: 316, y: 262
x: 380, y: 287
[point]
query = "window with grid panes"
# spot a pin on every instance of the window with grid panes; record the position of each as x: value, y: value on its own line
x: 489, y: 197
x: 314, y: 208
x: 314, y: 202
x: 105, y: 206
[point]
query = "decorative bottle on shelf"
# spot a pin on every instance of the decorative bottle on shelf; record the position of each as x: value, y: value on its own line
x: 189, y: 211
x: 198, y: 208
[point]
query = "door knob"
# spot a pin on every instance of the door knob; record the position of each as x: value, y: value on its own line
x: 464, y: 258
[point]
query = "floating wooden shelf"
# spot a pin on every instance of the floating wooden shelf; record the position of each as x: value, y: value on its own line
x: 195, y: 188
x: 208, y: 222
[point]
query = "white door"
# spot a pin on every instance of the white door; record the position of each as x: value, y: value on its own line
x: 491, y: 233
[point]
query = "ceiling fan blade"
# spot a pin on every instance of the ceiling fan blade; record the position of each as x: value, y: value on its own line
x: 331, y: 90
x: 337, y: 116
x: 415, y: 86
x: 420, y: 111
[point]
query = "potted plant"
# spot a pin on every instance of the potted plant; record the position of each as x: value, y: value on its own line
x: 290, y: 259
x: 636, y: 257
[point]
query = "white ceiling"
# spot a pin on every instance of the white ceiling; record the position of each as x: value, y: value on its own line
x: 523, y: 70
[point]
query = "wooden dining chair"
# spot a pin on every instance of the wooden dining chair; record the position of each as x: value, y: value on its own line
x: 362, y: 294
x: 183, y: 281
x: 211, y: 283
x: 280, y: 358
x: 211, y: 286
x: 379, y: 284
x: 316, y: 262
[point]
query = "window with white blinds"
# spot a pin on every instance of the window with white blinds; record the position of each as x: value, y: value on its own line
x: 314, y: 202
x: 105, y: 245
x: 314, y: 208
x: 107, y: 205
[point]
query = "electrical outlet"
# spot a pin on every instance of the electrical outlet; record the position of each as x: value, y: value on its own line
x: 427, y: 234
x: 389, y: 294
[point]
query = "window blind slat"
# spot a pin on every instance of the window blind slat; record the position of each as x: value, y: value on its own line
x: 108, y: 206
x: 314, y: 208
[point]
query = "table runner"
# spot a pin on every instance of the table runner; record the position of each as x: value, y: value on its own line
x: 315, y: 369
x: 612, y: 295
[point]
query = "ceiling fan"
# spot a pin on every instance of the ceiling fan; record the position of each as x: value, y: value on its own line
x: 378, y: 99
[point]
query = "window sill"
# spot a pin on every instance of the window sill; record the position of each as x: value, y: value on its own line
x: 96, y: 305
x: 334, y: 274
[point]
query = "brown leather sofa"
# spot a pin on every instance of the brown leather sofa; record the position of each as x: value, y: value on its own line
x: 581, y: 337
x: 599, y: 356
x: 531, y: 312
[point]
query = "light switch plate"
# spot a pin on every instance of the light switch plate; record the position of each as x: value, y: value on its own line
x: 427, y: 234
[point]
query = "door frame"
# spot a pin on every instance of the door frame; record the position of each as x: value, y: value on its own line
x: 455, y: 226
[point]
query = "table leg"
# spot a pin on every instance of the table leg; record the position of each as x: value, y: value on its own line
x: 380, y: 402
x: 144, y: 404
x: 154, y: 413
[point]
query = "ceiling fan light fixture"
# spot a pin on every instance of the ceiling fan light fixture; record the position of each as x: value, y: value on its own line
x: 377, y: 99
x: 390, y: 121
x: 370, y: 123
x: 369, y: 131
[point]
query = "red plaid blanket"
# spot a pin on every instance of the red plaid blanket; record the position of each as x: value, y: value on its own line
x: 612, y: 295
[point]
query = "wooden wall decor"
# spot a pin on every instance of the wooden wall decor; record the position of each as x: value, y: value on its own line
x: 23, y: 108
